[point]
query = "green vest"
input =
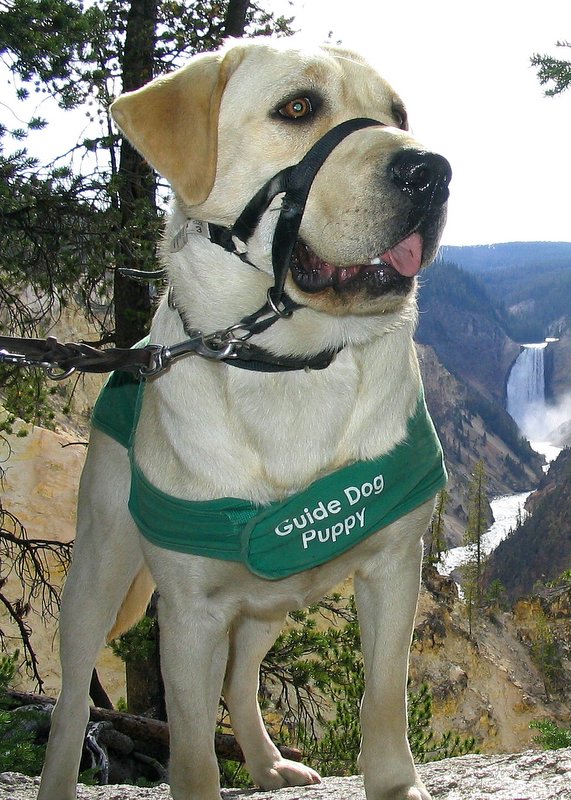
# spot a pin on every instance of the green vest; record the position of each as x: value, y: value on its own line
x: 331, y: 515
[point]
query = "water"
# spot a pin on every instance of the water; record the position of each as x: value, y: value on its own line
x: 548, y: 451
x: 506, y: 510
x: 526, y: 391
x: 527, y: 407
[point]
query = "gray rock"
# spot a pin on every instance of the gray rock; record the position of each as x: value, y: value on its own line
x: 533, y: 775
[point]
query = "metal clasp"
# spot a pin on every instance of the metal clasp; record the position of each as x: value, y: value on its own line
x: 214, y: 348
x: 21, y: 360
x: 6, y: 357
x: 160, y: 358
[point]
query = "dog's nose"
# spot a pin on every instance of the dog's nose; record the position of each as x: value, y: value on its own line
x: 423, y: 176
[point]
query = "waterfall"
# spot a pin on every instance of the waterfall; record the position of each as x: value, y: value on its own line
x: 526, y: 388
x: 526, y: 391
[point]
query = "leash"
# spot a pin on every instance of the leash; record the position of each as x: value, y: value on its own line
x: 230, y: 345
x: 59, y: 360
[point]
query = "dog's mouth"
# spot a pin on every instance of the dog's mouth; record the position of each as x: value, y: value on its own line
x: 392, y: 271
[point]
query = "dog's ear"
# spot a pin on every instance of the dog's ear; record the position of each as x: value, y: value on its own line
x: 173, y: 122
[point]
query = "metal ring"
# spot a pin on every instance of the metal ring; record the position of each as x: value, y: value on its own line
x: 279, y: 312
x: 58, y: 376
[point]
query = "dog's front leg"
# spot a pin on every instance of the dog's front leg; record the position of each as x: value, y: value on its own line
x: 386, y: 591
x: 194, y: 653
x: 250, y: 640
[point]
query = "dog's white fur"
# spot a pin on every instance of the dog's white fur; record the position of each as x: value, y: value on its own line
x: 209, y: 430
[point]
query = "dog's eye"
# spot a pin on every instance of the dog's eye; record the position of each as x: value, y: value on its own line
x: 399, y: 113
x: 296, y: 109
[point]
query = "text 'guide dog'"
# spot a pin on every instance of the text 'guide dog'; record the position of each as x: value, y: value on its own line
x: 281, y: 442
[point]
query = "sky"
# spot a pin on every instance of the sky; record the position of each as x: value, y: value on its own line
x: 463, y: 70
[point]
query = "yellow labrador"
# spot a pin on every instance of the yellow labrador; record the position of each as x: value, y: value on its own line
x: 281, y: 391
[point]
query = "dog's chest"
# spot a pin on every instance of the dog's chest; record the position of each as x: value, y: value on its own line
x: 260, y: 437
x: 295, y: 426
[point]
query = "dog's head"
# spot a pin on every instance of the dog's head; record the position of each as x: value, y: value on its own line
x: 221, y: 127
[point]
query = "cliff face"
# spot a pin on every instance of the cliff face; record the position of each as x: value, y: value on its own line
x: 39, y: 487
x: 472, y: 429
x: 539, y: 549
x: 459, y: 321
x: 485, y: 684
x: 466, y: 356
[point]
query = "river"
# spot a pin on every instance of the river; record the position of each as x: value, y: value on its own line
x: 506, y: 511
x: 527, y: 406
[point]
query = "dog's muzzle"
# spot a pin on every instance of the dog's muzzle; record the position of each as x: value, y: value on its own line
x: 422, y: 176
x: 295, y: 182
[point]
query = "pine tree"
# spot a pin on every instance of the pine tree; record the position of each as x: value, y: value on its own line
x: 472, y: 570
x: 68, y: 226
x: 436, y: 541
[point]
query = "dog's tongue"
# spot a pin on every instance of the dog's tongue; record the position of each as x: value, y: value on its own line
x: 406, y: 256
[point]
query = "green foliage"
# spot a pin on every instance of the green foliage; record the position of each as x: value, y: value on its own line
x: 8, y: 668
x: 436, y: 542
x: 424, y: 744
x: 546, y: 653
x: 496, y: 594
x: 556, y: 71
x: 478, y: 511
x: 137, y: 644
x: 18, y: 749
x: 551, y: 736
x: 25, y: 395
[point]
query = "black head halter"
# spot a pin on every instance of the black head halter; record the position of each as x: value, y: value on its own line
x: 295, y: 182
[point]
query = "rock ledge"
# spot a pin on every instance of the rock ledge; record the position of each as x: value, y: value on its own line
x: 533, y: 775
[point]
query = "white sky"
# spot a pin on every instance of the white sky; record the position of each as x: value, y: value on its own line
x: 463, y: 71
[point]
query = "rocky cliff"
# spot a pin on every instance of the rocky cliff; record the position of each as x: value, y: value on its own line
x: 540, y: 548
x: 466, y: 356
x: 39, y: 486
x: 559, y: 384
x: 485, y: 683
x: 473, y: 429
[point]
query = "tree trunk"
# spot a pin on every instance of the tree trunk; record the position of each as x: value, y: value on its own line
x: 235, y: 20
x: 136, y: 193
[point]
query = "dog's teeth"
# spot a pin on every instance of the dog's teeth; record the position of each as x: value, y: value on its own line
x: 374, y: 262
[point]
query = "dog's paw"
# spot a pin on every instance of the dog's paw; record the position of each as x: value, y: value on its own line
x: 400, y: 793
x: 417, y: 794
x: 286, y: 773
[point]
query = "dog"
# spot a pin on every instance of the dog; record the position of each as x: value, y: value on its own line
x: 303, y: 372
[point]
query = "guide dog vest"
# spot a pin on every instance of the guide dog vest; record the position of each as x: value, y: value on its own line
x: 331, y: 515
